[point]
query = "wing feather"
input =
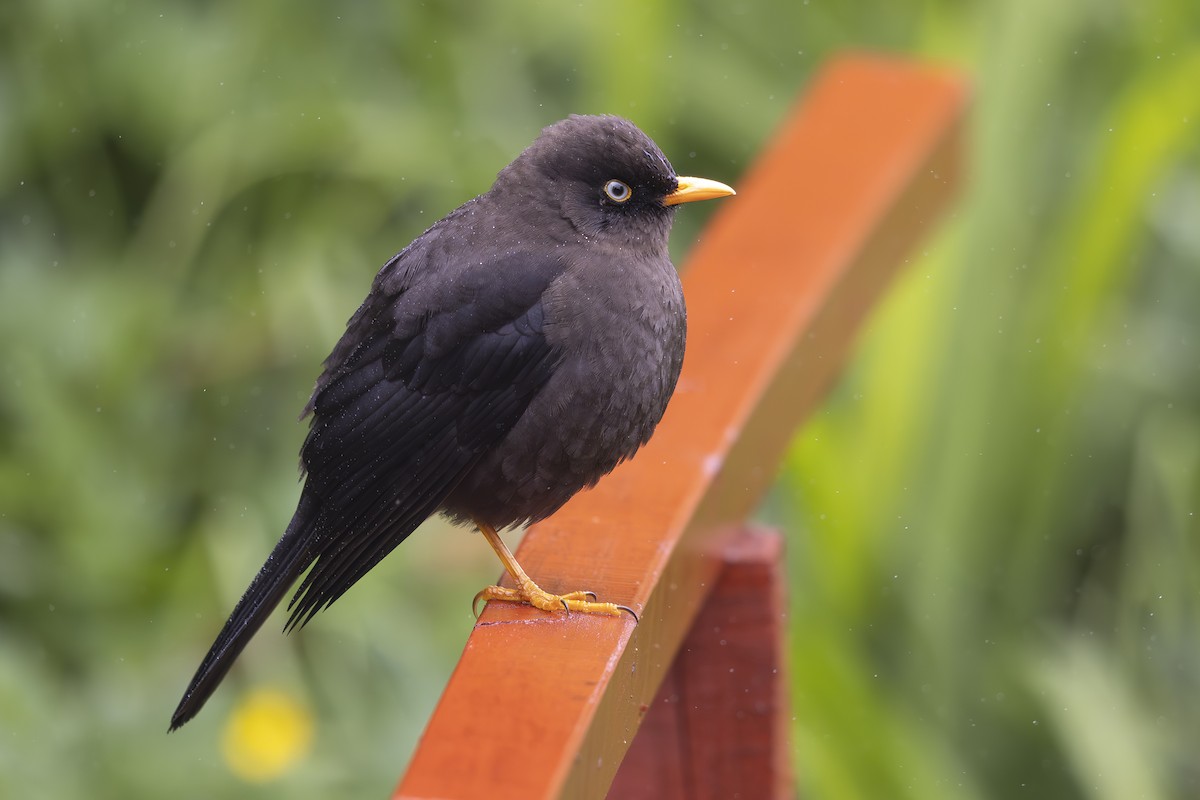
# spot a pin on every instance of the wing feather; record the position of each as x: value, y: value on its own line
x: 401, y: 421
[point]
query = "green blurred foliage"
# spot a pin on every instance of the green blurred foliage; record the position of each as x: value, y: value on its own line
x: 993, y: 530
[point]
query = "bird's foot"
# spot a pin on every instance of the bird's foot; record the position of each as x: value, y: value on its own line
x: 531, y: 594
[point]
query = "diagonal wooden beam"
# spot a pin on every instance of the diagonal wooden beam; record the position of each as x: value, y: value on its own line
x: 545, y: 706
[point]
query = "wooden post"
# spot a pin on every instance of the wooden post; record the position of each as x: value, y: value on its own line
x: 544, y: 706
x: 719, y: 725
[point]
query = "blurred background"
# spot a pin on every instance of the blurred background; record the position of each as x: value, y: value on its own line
x: 994, y: 523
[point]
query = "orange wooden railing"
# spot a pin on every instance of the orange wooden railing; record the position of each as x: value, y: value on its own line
x: 544, y: 706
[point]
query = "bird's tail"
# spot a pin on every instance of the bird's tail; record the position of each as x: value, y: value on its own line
x: 291, y: 556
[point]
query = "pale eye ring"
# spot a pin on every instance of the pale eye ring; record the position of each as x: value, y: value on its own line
x: 617, y: 191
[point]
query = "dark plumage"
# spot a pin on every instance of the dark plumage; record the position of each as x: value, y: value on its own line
x: 513, y: 354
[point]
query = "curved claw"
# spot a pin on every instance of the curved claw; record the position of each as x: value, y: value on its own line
x: 632, y: 613
x: 475, y: 604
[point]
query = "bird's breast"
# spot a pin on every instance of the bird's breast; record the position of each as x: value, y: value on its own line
x: 618, y: 333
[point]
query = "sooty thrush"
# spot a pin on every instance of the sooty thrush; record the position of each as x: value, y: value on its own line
x: 509, y: 357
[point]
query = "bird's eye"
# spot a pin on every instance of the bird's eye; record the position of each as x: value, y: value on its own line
x: 617, y: 191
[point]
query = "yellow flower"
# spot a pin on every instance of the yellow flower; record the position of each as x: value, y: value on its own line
x: 267, y: 733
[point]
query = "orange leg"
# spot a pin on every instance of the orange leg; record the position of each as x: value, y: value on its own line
x: 530, y: 593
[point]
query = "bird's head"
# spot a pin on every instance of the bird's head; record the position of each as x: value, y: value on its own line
x: 605, y: 177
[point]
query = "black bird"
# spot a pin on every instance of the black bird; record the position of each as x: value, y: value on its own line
x: 512, y: 355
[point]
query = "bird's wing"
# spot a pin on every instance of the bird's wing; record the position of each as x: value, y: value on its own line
x: 436, y: 378
x: 426, y: 378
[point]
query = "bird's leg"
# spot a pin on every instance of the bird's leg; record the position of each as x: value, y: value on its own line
x: 530, y: 593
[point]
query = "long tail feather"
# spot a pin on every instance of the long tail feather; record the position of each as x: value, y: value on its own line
x: 291, y: 556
